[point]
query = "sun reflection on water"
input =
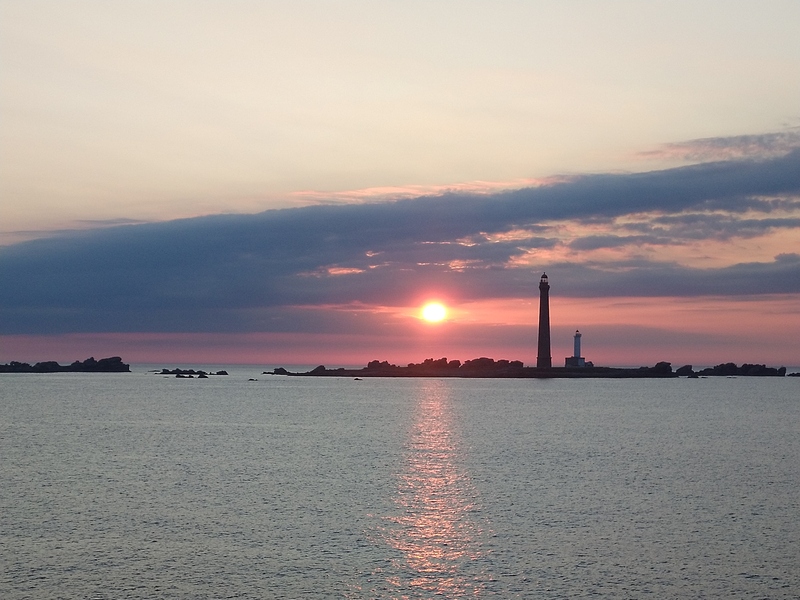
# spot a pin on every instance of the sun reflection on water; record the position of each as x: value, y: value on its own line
x: 437, y: 529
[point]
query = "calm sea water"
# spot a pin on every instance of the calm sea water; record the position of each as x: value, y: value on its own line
x: 140, y: 486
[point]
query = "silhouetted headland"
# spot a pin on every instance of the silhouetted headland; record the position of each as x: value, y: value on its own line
x: 112, y: 364
x: 483, y: 368
x: 513, y: 369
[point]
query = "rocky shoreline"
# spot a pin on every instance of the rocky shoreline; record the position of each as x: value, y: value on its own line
x: 489, y: 368
x: 112, y: 364
x: 476, y: 368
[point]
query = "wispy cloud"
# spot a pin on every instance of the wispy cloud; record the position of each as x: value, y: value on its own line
x: 22, y: 235
x: 765, y: 145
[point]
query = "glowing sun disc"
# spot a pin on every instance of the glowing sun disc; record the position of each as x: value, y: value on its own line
x: 434, y: 312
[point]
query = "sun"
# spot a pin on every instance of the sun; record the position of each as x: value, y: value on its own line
x: 434, y: 312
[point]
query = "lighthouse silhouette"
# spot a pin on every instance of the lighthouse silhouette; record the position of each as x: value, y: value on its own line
x: 544, y: 359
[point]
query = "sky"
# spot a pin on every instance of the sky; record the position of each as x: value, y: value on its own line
x: 286, y: 183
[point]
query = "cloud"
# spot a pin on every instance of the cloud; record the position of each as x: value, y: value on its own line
x: 21, y: 235
x: 246, y: 272
x: 730, y: 148
x: 660, y: 230
x: 415, y: 191
x: 595, y: 242
x: 644, y: 278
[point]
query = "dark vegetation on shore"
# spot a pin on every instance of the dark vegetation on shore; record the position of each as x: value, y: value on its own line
x: 112, y: 364
x: 490, y: 368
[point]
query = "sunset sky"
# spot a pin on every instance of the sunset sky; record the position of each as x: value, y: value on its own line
x: 286, y: 183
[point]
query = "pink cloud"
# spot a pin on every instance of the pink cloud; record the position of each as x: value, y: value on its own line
x: 413, y: 191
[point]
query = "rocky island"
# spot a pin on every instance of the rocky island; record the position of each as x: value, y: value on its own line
x: 490, y: 368
x: 189, y: 373
x: 483, y: 368
x: 731, y: 370
x: 112, y: 364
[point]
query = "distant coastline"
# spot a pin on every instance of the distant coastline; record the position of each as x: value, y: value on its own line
x: 486, y: 368
x: 491, y: 369
x: 112, y: 364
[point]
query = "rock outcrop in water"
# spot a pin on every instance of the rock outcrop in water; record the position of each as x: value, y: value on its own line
x: 112, y: 364
x: 189, y: 373
x: 731, y: 370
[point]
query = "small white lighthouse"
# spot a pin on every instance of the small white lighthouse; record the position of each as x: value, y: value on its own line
x: 576, y: 360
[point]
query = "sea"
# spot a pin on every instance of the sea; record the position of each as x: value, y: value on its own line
x: 138, y: 485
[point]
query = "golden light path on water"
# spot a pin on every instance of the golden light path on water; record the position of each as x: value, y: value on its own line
x: 437, y: 530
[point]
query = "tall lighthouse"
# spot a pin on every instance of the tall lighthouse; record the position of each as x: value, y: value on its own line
x: 544, y: 359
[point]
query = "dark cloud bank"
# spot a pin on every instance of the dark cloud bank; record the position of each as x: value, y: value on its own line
x: 245, y: 272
